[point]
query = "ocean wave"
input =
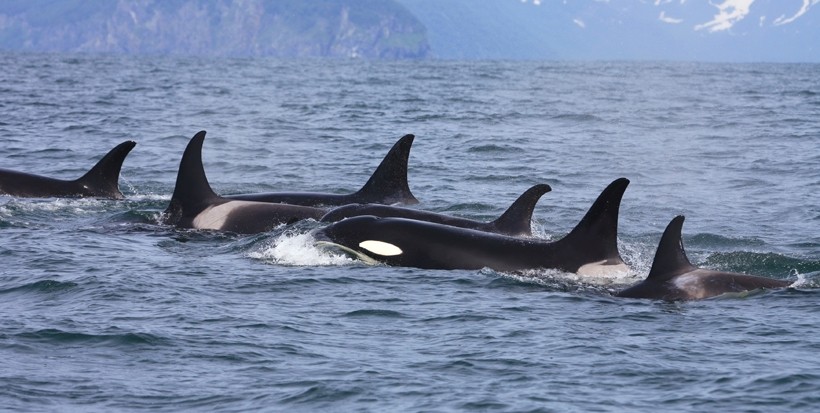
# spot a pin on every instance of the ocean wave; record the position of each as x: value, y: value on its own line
x: 73, y: 206
x: 322, y: 393
x: 567, y: 281
x: 801, y: 93
x: 293, y: 248
x: 43, y: 286
x: 462, y: 318
x: 60, y: 337
x: 577, y: 117
x: 712, y: 241
x: 374, y: 313
x: 756, y: 263
x: 494, y: 148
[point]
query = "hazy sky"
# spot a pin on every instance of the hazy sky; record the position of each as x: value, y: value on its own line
x: 713, y: 30
x: 727, y: 12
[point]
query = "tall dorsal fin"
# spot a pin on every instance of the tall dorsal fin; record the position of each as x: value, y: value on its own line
x: 670, y: 258
x: 597, y: 233
x: 103, y: 179
x: 388, y: 184
x: 192, y: 191
x: 517, y: 219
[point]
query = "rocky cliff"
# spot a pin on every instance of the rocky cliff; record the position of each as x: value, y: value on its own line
x: 283, y: 28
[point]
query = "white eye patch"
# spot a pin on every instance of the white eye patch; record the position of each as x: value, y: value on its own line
x: 381, y: 248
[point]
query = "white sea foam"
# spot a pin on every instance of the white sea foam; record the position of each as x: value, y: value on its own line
x: 148, y: 197
x: 619, y: 276
x: 298, y: 249
x: 802, y: 280
x: 77, y: 206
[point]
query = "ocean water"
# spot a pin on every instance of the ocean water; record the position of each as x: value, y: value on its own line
x: 102, y: 308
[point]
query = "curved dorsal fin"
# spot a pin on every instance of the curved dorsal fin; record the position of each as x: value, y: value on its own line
x: 670, y: 258
x: 598, y: 230
x: 192, y: 191
x: 388, y: 184
x: 517, y: 219
x: 103, y: 178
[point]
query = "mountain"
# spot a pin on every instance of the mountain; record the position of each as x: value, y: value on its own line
x: 719, y: 30
x: 286, y: 28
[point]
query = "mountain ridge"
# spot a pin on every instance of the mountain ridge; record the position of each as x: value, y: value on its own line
x: 280, y: 28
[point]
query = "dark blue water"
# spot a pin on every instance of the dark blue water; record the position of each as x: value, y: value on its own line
x: 104, y: 309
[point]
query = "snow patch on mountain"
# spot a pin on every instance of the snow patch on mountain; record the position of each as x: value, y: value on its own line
x: 729, y: 13
x: 807, y: 4
x: 664, y: 18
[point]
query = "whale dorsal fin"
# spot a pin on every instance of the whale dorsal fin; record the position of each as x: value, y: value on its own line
x: 517, y: 219
x: 192, y: 192
x: 597, y: 232
x: 103, y: 179
x: 670, y: 258
x: 388, y: 184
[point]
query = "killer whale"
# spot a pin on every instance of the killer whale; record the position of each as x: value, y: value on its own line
x: 388, y: 185
x: 590, y: 248
x: 101, y: 181
x: 673, y: 278
x: 195, y: 205
x: 515, y: 221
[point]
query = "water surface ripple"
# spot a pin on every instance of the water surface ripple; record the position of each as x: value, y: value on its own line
x: 106, y: 310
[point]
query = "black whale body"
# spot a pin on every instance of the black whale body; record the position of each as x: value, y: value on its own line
x: 195, y: 205
x: 515, y: 221
x: 674, y: 278
x: 387, y: 185
x: 101, y: 181
x: 590, y: 246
